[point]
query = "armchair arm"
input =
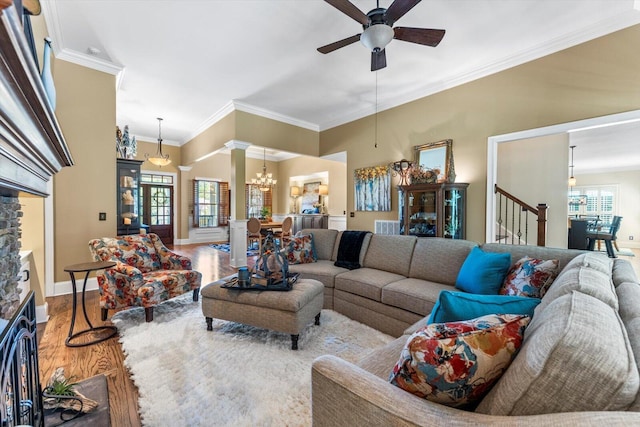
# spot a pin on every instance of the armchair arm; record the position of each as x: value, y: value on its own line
x: 122, y: 272
x: 172, y: 261
x: 344, y: 394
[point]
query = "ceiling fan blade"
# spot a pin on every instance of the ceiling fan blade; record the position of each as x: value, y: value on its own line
x: 423, y: 36
x: 378, y: 60
x: 337, y: 45
x: 398, y: 8
x: 348, y: 8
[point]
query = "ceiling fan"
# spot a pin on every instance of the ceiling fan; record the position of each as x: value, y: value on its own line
x: 378, y: 29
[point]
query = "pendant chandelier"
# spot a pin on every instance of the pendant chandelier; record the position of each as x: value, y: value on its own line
x: 265, y: 181
x: 159, y: 159
x: 572, y: 179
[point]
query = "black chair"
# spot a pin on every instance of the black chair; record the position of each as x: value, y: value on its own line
x: 609, y: 237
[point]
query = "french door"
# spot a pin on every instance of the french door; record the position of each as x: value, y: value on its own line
x: 157, y: 210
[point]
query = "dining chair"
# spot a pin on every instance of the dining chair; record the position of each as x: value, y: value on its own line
x: 253, y: 233
x: 285, y: 232
x: 609, y: 237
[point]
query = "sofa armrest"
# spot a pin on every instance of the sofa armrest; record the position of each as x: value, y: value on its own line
x: 344, y: 394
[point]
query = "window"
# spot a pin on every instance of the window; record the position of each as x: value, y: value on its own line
x: 594, y: 201
x: 210, y: 203
x: 256, y: 199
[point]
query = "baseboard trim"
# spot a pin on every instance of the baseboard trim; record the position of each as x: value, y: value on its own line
x: 42, y: 313
x: 65, y: 288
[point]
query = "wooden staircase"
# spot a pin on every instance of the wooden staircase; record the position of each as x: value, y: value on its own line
x: 514, y: 217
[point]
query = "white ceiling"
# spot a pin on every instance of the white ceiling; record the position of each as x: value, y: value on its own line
x: 192, y: 61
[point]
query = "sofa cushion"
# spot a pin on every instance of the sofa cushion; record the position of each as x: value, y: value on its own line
x: 322, y: 270
x: 457, y: 363
x: 323, y: 240
x: 454, y: 306
x: 415, y: 295
x: 530, y: 277
x: 564, y: 256
x: 366, y: 282
x: 582, y: 277
x: 629, y: 297
x: 301, y: 250
x: 437, y: 259
x: 390, y: 253
x: 575, y: 347
x: 483, y: 272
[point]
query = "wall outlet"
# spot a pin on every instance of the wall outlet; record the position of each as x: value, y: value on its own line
x: 352, y: 214
x: 630, y: 237
x: 102, y: 216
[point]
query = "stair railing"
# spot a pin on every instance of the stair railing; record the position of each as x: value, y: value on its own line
x: 515, y: 224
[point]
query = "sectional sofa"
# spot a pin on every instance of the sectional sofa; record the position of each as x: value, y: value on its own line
x: 576, y: 366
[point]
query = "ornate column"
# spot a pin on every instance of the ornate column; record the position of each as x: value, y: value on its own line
x: 183, y: 213
x: 238, y: 221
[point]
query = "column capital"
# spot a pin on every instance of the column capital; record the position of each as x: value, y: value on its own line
x: 185, y: 168
x: 234, y: 144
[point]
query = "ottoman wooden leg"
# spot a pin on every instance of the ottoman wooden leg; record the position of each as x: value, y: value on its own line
x: 317, y: 319
x: 294, y: 341
x: 209, y: 323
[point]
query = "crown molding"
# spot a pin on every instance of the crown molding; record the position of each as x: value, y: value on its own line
x: 223, y: 112
x: 51, y: 17
x: 247, y: 108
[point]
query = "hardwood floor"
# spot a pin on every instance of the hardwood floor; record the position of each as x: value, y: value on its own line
x: 107, y: 357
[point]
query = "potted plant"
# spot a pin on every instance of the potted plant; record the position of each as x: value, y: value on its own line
x: 264, y: 214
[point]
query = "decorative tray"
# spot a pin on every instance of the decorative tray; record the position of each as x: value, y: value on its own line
x: 258, y: 283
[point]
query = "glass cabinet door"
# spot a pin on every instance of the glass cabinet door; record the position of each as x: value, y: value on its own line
x: 128, y: 175
x: 454, y: 209
x: 422, y: 212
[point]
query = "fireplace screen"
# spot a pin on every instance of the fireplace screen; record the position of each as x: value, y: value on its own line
x: 21, y: 402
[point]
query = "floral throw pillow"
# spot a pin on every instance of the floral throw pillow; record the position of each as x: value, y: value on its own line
x: 301, y: 250
x: 457, y: 363
x: 530, y: 277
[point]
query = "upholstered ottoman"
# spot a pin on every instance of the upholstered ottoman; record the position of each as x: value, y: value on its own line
x: 282, y: 311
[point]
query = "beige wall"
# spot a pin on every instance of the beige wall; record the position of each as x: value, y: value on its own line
x: 32, y: 239
x: 535, y: 170
x: 590, y: 80
x: 273, y: 134
x: 86, y: 110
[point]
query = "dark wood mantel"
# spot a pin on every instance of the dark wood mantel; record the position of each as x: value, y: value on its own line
x: 32, y: 147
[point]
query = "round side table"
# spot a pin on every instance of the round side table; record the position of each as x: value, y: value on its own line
x: 86, y: 268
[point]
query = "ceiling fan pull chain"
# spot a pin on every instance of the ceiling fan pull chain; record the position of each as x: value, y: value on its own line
x: 376, y: 118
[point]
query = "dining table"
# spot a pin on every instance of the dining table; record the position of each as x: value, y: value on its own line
x: 270, y: 226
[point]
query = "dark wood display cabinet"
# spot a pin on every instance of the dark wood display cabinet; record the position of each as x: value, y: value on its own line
x: 433, y: 210
x: 128, y: 185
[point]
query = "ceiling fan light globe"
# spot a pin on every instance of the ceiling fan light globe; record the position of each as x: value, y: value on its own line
x: 377, y: 36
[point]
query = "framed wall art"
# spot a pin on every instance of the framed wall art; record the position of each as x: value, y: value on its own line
x: 373, y: 188
x: 310, y: 197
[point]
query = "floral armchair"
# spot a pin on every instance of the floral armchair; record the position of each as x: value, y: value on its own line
x: 146, y: 273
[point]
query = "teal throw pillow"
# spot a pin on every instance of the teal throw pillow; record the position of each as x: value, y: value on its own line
x: 483, y: 272
x: 455, y: 306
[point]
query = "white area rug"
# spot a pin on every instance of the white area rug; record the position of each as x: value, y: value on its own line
x: 235, y: 375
